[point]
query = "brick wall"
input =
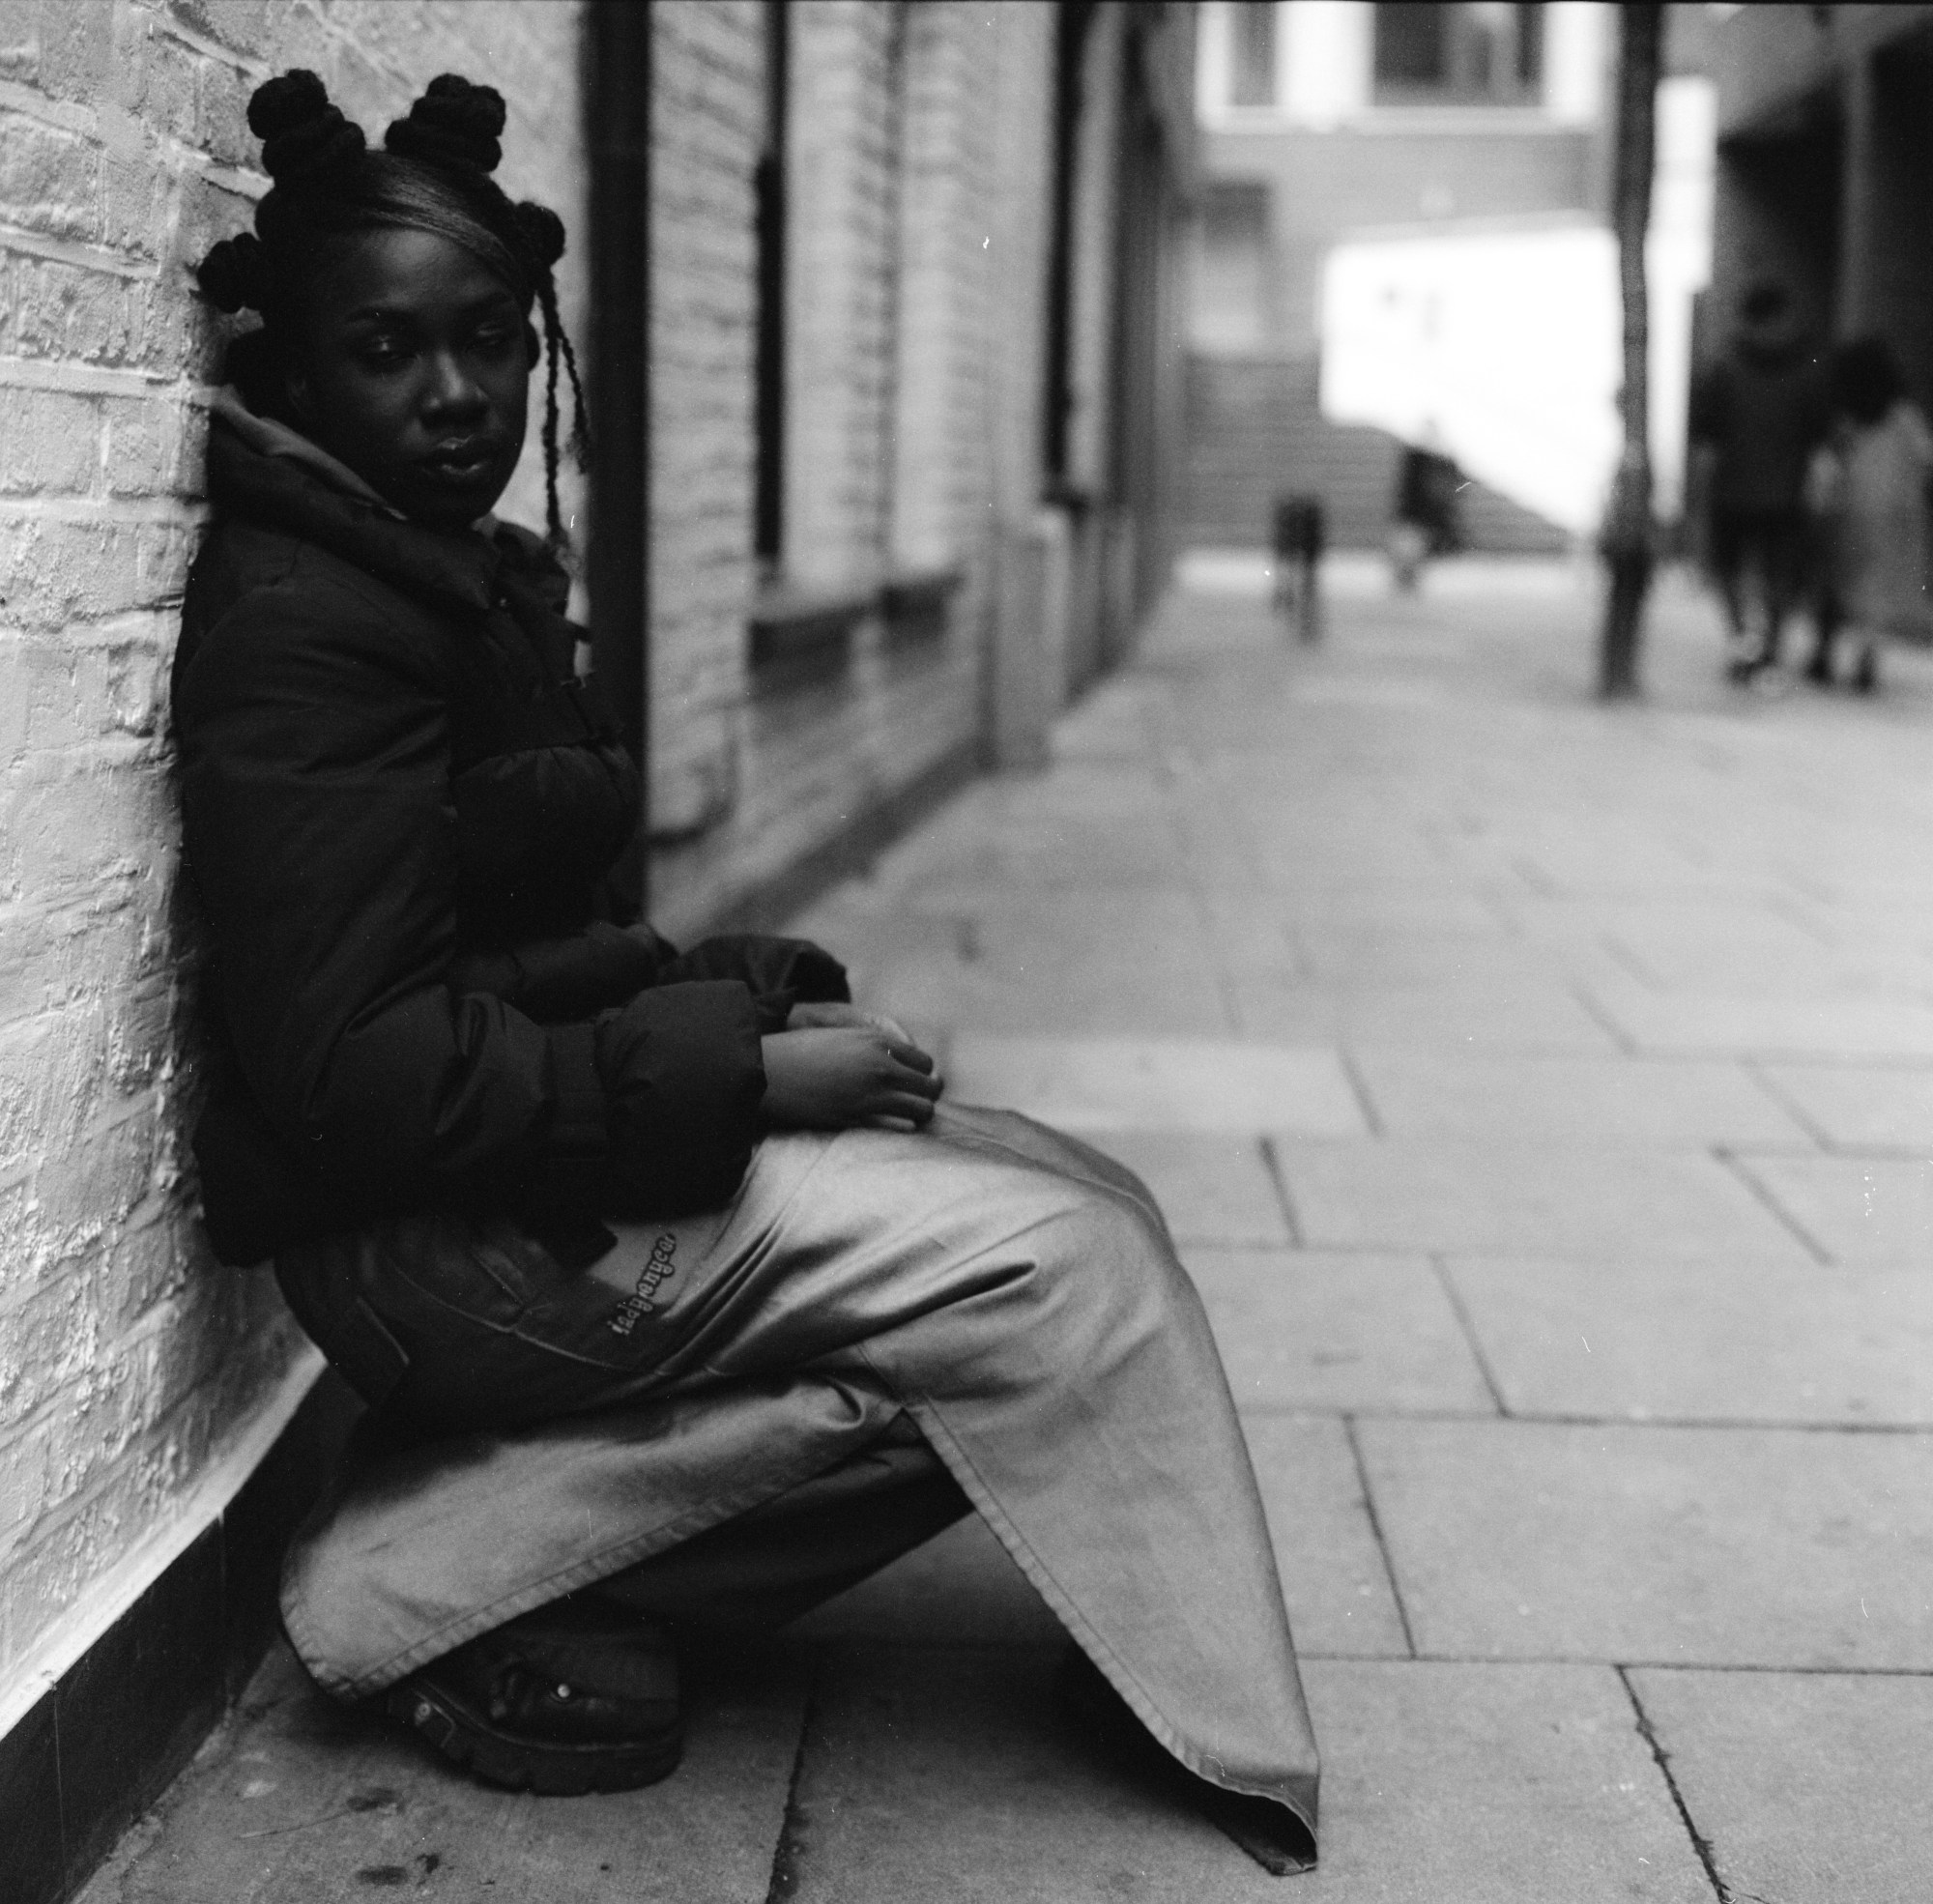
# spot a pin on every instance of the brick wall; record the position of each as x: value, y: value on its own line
x: 128, y: 1363
x: 896, y: 352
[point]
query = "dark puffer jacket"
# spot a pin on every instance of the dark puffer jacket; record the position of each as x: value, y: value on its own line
x: 399, y: 810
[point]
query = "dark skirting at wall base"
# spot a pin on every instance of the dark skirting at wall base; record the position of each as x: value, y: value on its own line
x: 98, y: 1747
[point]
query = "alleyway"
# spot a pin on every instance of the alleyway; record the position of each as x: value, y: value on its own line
x: 1544, y: 1095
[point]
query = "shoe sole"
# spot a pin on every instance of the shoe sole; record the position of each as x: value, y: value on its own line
x: 526, y: 1765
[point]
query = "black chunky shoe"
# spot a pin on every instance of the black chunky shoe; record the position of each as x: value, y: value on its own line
x: 561, y: 1701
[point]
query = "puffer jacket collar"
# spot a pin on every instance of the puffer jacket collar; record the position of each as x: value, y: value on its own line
x: 462, y: 570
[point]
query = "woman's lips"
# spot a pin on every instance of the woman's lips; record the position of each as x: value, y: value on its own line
x: 462, y: 462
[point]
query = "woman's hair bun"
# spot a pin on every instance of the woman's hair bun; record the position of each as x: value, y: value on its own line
x: 542, y: 230
x: 455, y: 123
x: 303, y: 136
x: 234, y: 275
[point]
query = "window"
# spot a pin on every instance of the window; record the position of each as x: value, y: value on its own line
x: 1483, y: 52
x: 1251, y: 53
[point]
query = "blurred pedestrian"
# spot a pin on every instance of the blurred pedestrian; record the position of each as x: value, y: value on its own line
x: 1757, y: 415
x: 1876, y: 503
x: 1299, y: 536
x: 1425, y: 520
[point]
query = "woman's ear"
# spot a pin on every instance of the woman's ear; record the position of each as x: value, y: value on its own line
x: 533, y: 346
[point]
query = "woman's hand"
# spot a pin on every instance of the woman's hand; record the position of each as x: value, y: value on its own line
x: 803, y: 1018
x: 830, y: 1078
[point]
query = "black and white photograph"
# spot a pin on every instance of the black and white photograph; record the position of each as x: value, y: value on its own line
x: 965, y: 952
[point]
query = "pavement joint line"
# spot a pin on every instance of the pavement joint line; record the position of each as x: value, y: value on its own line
x: 1272, y: 1164
x: 1466, y: 1322
x: 1700, y: 1844
x: 1764, y: 1669
x: 1577, y: 1259
x: 1906, y: 1063
x: 1728, y: 1159
x: 1613, y: 947
x: 1376, y: 1528
x: 1535, y: 876
x: 1754, y: 1069
x: 1358, y: 1083
x: 1714, y: 1423
x: 788, y: 1847
x: 1603, y: 1021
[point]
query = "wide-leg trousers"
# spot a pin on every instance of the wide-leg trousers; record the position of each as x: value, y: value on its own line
x: 1010, y: 1292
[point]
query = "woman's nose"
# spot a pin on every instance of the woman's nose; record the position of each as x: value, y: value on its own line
x: 451, y: 388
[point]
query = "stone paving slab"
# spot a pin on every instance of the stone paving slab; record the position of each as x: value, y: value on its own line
x: 1856, y: 1209
x: 959, y: 1778
x: 1521, y: 1784
x: 1530, y: 1015
x: 956, y: 1779
x: 300, y: 1801
x: 1051, y: 1002
x: 1751, y: 1025
x: 1105, y: 1085
x: 1340, y: 1597
x: 1302, y: 1329
x: 1860, y: 1106
x: 1674, y: 1546
x: 1343, y: 954
x: 1556, y: 1099
x: 1716, y: 1341
x: 1772, y: 958
x: 1213, y: 1187
x: 1810, y: 1787
x: 1490, y: 1198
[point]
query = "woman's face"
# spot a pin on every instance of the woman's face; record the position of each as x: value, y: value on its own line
x: 414, y: 373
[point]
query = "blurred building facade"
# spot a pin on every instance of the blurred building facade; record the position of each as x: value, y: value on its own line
x: 1429, y: 184
x: 1825, y: 177
x: 881, y: 301
x: 915, y: 275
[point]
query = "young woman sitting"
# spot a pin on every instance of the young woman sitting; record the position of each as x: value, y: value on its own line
x: 677, y: 1300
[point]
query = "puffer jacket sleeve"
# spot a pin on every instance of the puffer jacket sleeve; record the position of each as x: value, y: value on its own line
x: 781, y: 972
x: 319, y: 828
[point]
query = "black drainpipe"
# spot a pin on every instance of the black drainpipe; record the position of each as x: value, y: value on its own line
x: 617, y: 96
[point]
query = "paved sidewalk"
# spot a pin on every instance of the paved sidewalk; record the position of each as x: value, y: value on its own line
x: 1545, y: 1095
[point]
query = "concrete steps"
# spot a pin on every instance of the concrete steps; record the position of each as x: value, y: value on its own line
x: 1254, y: 429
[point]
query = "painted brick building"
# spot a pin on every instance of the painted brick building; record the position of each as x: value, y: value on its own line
x: 880, y: 313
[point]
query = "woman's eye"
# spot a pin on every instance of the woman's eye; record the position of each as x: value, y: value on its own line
x: 496, y: 337
x: 383, y: 355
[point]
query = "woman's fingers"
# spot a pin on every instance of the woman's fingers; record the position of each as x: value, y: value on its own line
x: 905, y: 1052
x: 926, y: 1084
x: 914, y: 1111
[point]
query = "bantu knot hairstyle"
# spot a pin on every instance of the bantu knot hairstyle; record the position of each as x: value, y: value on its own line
x: 454, y: 124
x: 304, y: 138
x: 432, y: 175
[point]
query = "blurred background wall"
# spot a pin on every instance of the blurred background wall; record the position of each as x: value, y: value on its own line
x: 1825, y: 172
x: 1405, y: 240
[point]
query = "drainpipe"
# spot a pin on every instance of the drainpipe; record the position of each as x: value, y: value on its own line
x: 617, y: 96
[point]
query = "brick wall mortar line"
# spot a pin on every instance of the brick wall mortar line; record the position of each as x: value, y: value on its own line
x: 78, y: 252
x: 64, y: 115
